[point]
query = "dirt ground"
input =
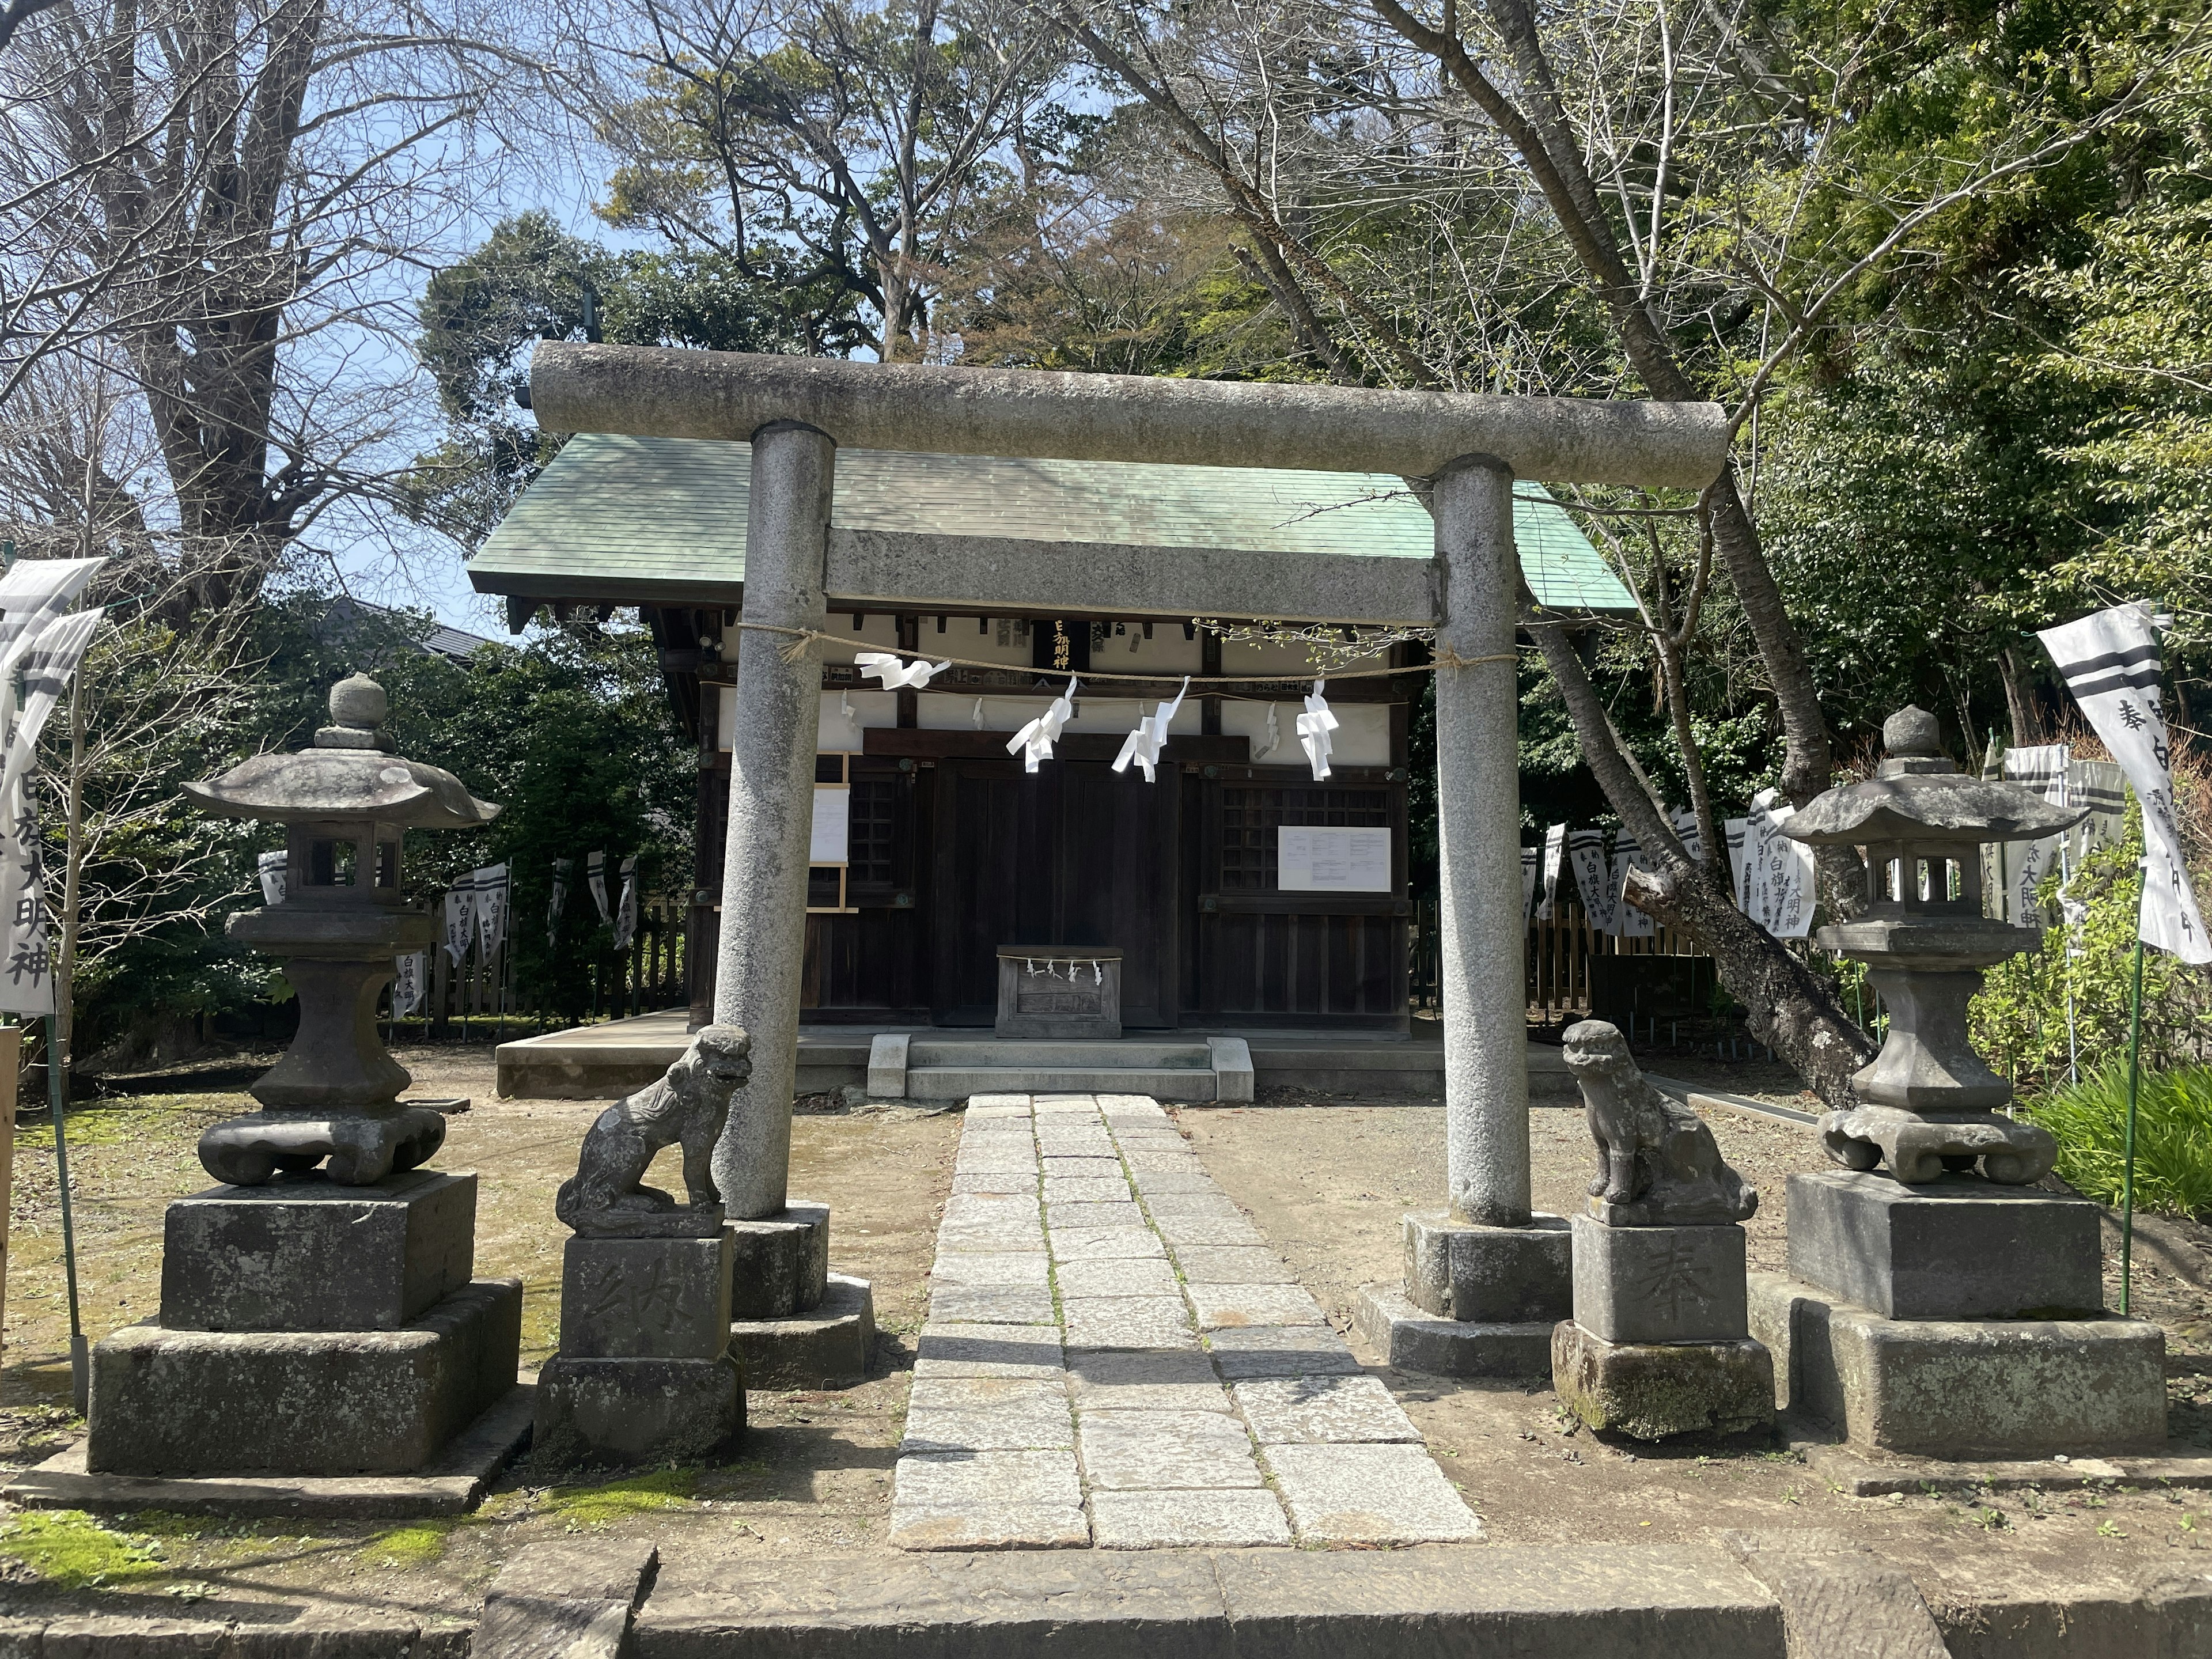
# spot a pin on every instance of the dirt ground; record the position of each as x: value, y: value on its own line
x: 815, y: 1472
x: 1327, y: 1182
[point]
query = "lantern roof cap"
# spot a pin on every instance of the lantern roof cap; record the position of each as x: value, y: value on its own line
x: 350, y: 772
x: 1918, y: 795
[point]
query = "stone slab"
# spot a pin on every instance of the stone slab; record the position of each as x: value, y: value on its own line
x: 1083, y: 1169
x: 992, y: 1269
x: 1659, y: 1284
x: 1151, y: 1451
x: 983, y: 1479
x: 997, y: 1183
x: 1137, y: 1382
x: 1489, y: 1275
x: 1654, y: 1391
x: 1223, y: 1307
x: 1124, y: 1213
x: 1544, y: 1601
x: 827, y: 1346
x: 1059, y: 1191
x: 1118, y: 1276
x: 1229, y: 1264
x: 1127, y: 1321
x: 1323, y: 1410
x: 575, y: 1598
x: 780, y: 1265
x: 304, y: 1254
x: 1369, y: 1494
x: 454, y: 1485
x: 628, y: 1299
x: 1964, y: 1389
x: 887, y: 1055
x: 1214, y: 1204
x: 1409, y: 1339
x: 1958, y: 1247
x: 1154, y: 1183
x: 1234, y: 1519
x: 1105, y: 1244
x: 635, y: 1411
x: 951, y: 1414
x: 979, y: 1526
x: 1253, y: 1350
x: 1183, y: 1231
x: 1858, y: 1474
x: 173, y: 1403
x: 992, y: 1304
x: 1008, y: 1350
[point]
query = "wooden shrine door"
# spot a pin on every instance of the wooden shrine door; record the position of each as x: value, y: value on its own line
x: 1071, y: 854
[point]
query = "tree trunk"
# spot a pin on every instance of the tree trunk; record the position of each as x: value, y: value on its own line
x: 2021, y: 704
x: 1786, y: 1005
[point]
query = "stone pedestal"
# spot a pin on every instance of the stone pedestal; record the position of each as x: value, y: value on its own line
x: 644, y: 1371
x: 317, y: 1256
x: 780, y: 1266
x: 1955, y: 1248
x: 1963, y: 1389
x: 1659, y: 1284
x: 797, y: 1324
x: 1477, y: 1301
x: 1956, y: 1319
x: 309, y: 1329
x: 1660, y: 1342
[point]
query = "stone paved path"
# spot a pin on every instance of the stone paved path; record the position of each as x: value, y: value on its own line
x: 1114, y: 1357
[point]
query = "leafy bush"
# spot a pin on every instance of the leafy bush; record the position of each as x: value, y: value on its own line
x: 2019, y: 1019
x: 2173, y: 1135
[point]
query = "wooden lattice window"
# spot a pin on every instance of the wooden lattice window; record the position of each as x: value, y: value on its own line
x: 1249, y: 818
x: 869, y: 831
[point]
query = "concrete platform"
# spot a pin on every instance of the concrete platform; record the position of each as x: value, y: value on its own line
x: 454, y: 1485
x: 600, y: 1061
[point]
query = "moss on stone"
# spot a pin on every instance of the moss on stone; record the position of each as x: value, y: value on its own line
x: 72, y: 1550
x: 635, y: 1494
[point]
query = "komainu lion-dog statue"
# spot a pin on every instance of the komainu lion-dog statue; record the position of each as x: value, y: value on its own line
x: 1657, y: 1165
x: 688, y: 1106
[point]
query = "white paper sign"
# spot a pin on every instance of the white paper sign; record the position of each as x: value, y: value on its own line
x: 833, y: 812
x: 410, y: 974
x: 27, y: 955
x: 272, y: 869
x: 1332, y: 860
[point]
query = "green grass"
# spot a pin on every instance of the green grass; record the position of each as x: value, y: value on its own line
x: 635, y: 1494
x: 2174, y: 1136
x: 69, y: 1550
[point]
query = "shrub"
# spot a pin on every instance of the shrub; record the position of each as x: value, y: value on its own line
x: 2173, y: 1135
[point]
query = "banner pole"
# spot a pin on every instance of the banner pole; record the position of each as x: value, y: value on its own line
x: 56, y: 1098
x: 2135, y: 1077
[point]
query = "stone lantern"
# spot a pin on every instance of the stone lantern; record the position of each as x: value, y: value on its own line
x: 1934, y: 1310
x: 1928, y: 1104
x: 320, y: 1314
x: 345, y: 802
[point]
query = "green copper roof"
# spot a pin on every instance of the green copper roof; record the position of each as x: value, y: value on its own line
x: 663, y: 519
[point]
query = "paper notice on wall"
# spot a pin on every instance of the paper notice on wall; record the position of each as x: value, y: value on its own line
x: 1332, y: 860
x: 1586, y: 856
x: 833, y: 816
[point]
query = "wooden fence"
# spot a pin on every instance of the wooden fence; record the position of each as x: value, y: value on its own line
x: 1566, y: 967
x: 479, y: 998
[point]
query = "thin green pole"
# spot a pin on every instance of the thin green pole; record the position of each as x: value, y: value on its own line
x: 57, y: 1096
x: 2135, y: 1077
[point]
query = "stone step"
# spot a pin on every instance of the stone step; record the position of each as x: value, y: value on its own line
x: 1033, y: 1055
x: 960, y: 1082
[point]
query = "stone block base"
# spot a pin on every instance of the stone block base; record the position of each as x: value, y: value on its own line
x: 826, y: 1348
x: 1411, y: 1340
x: 302, y: 1402
x: 1489, y: 1275
x: 1955, y: 1248
x: 1961, y: 1390
x: 780, y: 1265
x: 1653, y: 1391
x: 1659, y: 1284
x: 637, y: 1411
x: 308, y: 1255
x: 646, y: 1298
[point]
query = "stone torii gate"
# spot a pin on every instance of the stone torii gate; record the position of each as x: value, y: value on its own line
x: 797, y: 411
